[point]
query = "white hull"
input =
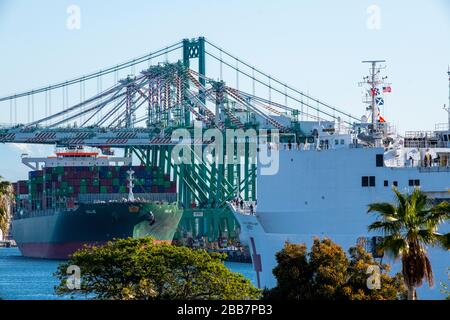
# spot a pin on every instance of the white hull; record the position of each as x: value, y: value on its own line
x: 320, y: 194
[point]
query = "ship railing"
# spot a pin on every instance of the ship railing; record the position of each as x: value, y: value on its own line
x: 420, y: 134
x: 437, y: 164
x: 311, y: 146
x: 247, y: 207
x: 38, y: 213
x: 442, y: 126
x: 293, y: 146
x: 425, y: 144
x: 123, y: 197
x: 434, y: 169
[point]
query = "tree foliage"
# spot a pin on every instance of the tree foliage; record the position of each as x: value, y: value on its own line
x: 326, y: 272
x: 6, y: 198
x: 408, y: 226
x: 141, y: 269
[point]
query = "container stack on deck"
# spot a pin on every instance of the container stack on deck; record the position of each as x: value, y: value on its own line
x: 21, y: 193
x: 60, y: 186
x: 20, y: 187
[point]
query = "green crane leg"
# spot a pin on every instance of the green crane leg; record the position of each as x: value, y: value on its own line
x: 246, y: 171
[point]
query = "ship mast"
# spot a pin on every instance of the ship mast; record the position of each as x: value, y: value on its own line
x: 373, y: 82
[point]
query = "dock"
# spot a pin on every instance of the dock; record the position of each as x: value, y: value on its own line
x: 7, y: 244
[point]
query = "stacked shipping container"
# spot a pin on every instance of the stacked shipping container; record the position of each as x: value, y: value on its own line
x: 20, y: 187
x: 60, y: 186
x: 21, y: 194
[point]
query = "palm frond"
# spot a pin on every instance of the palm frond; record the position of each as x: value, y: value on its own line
x: 387, y: 227
x: 441, y: 209
x: 427, y: 236
x: 384, y: 209
x: 429, y: 272
x: 434, y: 216
x: 415, y: 267
x: 4, y: 186
x: 401, y: 200
x: 393, y: 245
x: 418, y: 200
x: 443, y: 240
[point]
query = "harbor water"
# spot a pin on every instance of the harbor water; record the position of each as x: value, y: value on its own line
x: 32, y: 279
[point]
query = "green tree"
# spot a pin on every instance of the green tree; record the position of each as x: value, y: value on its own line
x: 141, y: 269
x: 6, y: 197
x: 408, y: 226
x: 326, y: 272
x: 330, y: 265
x: 361, y: 268
x: 293, y: 273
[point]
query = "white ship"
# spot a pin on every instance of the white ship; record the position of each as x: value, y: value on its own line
x: 323, y: 188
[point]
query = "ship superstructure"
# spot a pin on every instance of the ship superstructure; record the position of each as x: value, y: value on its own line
x: 324, y: 185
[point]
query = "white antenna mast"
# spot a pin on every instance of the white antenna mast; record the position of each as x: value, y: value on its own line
x: 373, y: 82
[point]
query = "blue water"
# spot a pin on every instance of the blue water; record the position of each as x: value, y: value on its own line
x: 32, y: 279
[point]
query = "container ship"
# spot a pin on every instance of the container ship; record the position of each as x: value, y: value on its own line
x: 328, y: 177
x: 79, y: 198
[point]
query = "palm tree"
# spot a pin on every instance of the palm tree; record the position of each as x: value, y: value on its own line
x: 6, y: 196
x: 408, y: 227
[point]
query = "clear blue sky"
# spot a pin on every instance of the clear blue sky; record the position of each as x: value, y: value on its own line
x: 316, y: 46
